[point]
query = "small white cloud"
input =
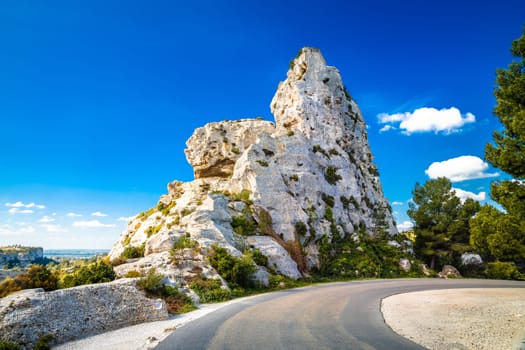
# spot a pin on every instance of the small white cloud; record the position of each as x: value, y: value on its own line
x: 397, y: 203
x: 20, y: 204
x: 126, y: 219
x: 46, y: 219
x: 53, y: 228
x: 16, y: 210
x: 73, y: 215
x: 99, y: 214
x: 460, y: 169
x: 463, y: 195
x: 404, y: 226
x: 427, y: 119
x: 387, y: 128
x: 91, y: 224
x: 15, y: 205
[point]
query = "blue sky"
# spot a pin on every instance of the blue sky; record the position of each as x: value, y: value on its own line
x: 97, y: 98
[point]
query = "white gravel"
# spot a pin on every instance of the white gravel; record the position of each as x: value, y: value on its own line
x: 480, y: 319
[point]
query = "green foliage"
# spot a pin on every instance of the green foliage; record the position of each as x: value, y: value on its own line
x: 152, y: 230
x: 97, y: 272
x: 496, y: 234
x: 441, y: 222
x: 133, y: 274
x: 210, y: 290
x: 244, y: 196
x: 366, y: 256
x: 43, y: 342
x: 508, y: 152
x: 143, y: 215
x: 132, y: 252
x: 36, y: 277
x: 236, y: 150
x: 9, y: 345
x: 258, y: 257
x: 503, y: 270
x: 236, y: 271
x: 294, y: 177
x: 262, y: 163
x: 318, y: 148
x: 300, y: 229
x: 333, y: 152
x: 290, y: 133
x: 165, y: 209
x: 329, y: 200
x: 243, y: 226
x: 176, y: 301
x: 331, y: 175
x: 185, y: 242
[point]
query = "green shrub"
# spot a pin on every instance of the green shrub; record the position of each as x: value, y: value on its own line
x: 185, y: 242
x: 244, y: 196
x: 152, y: 230
x: 503, y: 270
x: 9, y: 345
x: 36, y: 277
x: 329, y: 200
x: 210, y: 290
x: 43, y: 342
x: 243, y: 226
x: 258, y: 257
x: 262, y: 163
x: 97, y: 272
x: 133, y: 274
x: 331, y: 175
x: 294, y: 177
x: 333, y: 152
x: 300, y: 229
x: 345, y: 201
x: 133, y: 252
x: 176, y: 301
x: 236, y: 271
x: 152, y: 282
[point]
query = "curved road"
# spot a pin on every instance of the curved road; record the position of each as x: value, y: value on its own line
x: 332, y: 316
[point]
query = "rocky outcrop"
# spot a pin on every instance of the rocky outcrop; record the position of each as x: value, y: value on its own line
x: 68, y: 314
x: 281, y: 188
x: 19, y: 255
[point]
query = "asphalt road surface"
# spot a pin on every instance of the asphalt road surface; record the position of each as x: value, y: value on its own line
x: 332, y: 316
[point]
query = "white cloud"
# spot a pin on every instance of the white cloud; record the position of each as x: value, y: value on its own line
x: 22, y: 205
x: 99, y: 214
x: 397, y: 203
x: 73, y: 215
x: 427, y: 119
x: 91, y: 224
x: 126, y: 219
x: 460, y: 169
x: 46, y: 219
x: 53, y: 228
x: 463, y: 195
x: 16, y: 210
x: 405, y: 225
x: 387, y: 128
x: 7, y: 230
x: 15, y: 205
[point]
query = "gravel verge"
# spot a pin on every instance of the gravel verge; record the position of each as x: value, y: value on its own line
x: 481, y: 319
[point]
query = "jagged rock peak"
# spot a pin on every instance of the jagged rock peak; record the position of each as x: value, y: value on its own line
x: 282, y: 188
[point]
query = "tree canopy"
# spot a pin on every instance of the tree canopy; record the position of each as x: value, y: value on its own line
x: 441, y: 221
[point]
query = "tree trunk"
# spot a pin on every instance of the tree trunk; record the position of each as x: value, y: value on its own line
x: 433, y: 262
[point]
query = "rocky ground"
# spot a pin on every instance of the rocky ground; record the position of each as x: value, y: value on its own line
x: 481, y: 319
x: 444, y: 319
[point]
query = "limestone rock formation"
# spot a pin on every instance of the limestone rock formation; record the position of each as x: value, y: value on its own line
x: 19, y: 255
x: 281, y: 188
x: 67, y: 314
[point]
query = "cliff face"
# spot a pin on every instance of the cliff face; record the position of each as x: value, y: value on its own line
x: 280, y: 187
x: 19, y: 255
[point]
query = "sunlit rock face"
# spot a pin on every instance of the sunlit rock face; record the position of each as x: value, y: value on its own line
x: 278, y: 187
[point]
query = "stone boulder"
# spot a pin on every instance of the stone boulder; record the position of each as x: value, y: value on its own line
x: 471, y: 259
x: 449, y: 271
x: 77, y: 312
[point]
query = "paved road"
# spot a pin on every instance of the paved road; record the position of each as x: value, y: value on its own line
x: 332, y: 316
